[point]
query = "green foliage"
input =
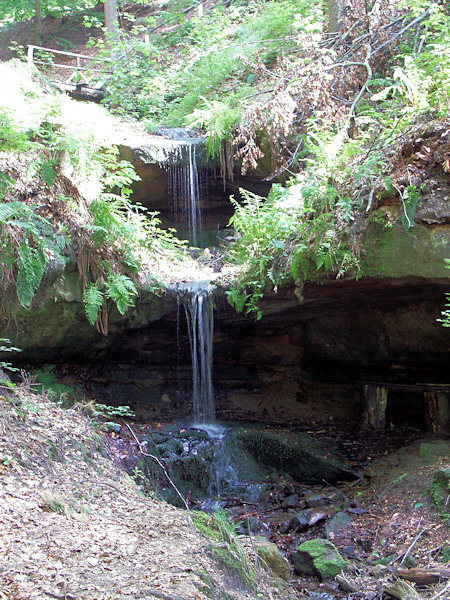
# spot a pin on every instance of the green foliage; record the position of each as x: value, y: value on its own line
x: 293, y: 234
x: 218, y: 120
x: 22, y: 10
x: 6, y: 347
x: 44, y: 127
x: 445, y: 554
x: 93, y: 301
x: 196, y: 73
x: 227, y: 548
x: 112, y: 412
x: 27, y: 243
x: 48, y: 383
x: 121, y: 290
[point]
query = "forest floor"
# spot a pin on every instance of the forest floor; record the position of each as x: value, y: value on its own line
x: 76, y: 526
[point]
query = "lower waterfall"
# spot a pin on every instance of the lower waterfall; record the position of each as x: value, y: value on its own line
x: 198, y: 304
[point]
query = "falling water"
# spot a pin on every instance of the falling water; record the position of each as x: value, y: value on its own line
x: 186, y: 181
x: 198, y: 304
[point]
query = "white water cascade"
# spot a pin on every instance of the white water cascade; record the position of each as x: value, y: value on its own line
x: 186, y: 180
x: 198, y: 304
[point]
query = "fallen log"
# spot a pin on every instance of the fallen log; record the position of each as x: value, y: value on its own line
x: 424, y: 577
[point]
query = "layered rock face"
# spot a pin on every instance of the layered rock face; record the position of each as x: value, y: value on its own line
x: 308, y: 360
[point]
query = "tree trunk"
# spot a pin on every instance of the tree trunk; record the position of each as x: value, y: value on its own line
x: 375, y: 400
x: 111, y: 22
x: 336, y: 9
x: 37, y: 22
x: 437, y: 411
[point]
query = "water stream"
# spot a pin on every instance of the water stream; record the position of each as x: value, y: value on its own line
x: 186, y: 179
x: 198, y: 305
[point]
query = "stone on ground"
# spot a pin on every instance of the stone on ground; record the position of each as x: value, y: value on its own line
x: 319, y: 558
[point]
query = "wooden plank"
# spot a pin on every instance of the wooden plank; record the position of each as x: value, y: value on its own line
x: 64, y: 52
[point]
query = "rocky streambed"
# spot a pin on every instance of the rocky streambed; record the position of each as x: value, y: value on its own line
x: 314, y: 504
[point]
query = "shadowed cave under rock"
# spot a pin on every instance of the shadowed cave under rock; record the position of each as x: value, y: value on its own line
x: 302, y: 364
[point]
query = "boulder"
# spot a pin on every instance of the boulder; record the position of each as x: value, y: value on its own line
x: 272, y: 558
x: 435, y: 449
x: 290, y: 501
x: 296, y: 453
x: 300, y: 521
x: 320, y: 558
x: 336, y: 523
x: 442, y: 477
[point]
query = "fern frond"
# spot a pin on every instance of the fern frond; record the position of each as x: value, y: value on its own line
x: 31, y: 264
x: 121, y: 290
x: 93, y: 301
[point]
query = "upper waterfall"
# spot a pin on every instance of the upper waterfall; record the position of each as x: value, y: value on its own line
x: 187, y: 179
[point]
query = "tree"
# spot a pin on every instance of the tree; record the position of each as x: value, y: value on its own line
x: 336, y: 10
x: 37, y: 22
x: 111, y: 21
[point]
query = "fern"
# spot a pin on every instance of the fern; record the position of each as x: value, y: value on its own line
x: 93, y: 300
x: 30, y: 272
x: 121, y: 290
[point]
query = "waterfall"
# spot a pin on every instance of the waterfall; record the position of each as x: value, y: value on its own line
x: 186, y: 180
x: 198, y: 304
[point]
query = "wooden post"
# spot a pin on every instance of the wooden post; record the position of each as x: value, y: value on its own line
x: 375, y: 401
x: 437, y: 411
x: 30, y: 55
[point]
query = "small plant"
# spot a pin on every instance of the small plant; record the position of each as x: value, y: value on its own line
x: 110, y: 412
x: 399, y: 478
x: 55, y: 503
x: 6, y: 347
x: 58, y: 392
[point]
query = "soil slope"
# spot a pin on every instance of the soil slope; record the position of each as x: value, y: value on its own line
x: 75, y: 526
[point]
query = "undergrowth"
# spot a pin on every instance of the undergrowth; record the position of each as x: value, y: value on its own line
x: 47, y: 151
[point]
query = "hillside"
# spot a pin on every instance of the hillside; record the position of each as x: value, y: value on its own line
x: 75, y: 525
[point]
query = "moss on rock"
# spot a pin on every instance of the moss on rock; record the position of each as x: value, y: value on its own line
x: 319, y: 558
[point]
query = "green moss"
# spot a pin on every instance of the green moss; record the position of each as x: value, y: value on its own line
x: 392, y: 252
x: 319, y: 557
x: 227, y: 548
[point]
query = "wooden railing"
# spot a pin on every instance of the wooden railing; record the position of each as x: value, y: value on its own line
x: 81, y: 73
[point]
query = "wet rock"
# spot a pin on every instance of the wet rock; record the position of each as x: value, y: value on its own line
x: 333, y: 496
x: 299, y: 455
x: 272, y: 558
x: 336, y: 523
x: 290, y: 501
x: 320, y: 558
x: 300, y: 521
x: 318, y: 514
x: 254, y: 525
